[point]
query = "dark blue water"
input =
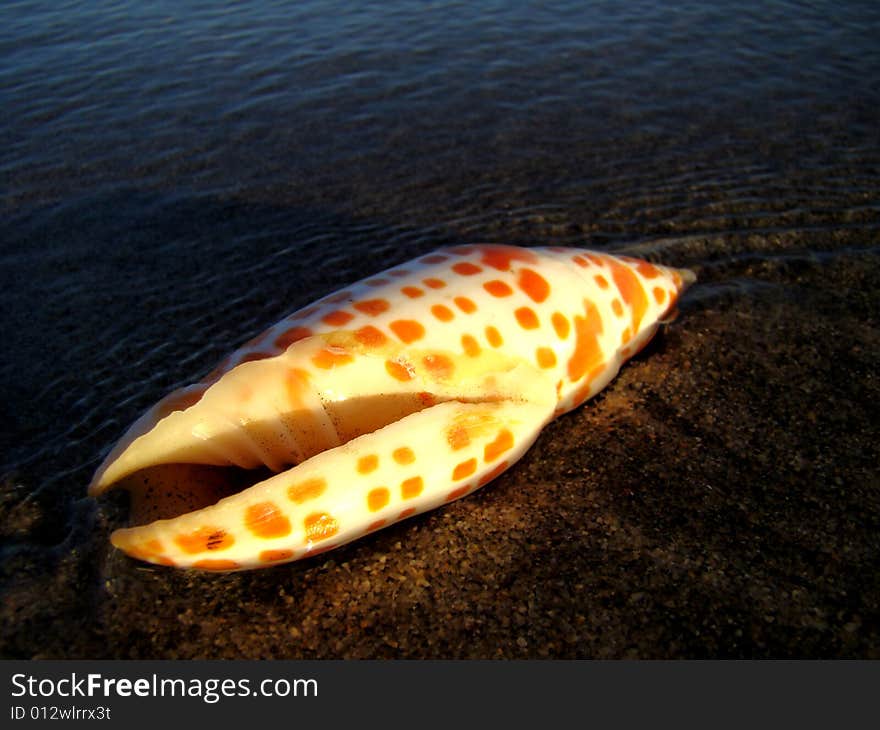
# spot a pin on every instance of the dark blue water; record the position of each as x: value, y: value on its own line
x: 177, y: 174
x: 318, y: 100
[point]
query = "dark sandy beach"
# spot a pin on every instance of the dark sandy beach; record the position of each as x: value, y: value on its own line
x: 720, y: 499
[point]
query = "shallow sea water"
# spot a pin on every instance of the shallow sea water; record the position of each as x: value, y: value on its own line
x: 178, y: 175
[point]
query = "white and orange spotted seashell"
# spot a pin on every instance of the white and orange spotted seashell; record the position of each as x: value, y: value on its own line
x: 403, y: 392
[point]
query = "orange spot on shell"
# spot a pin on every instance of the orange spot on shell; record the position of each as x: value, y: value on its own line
x: 503, y: 442
x: 434, y: 283
x: 294, y: 334
x: 275, y: 556
x: 464, y: 469
x: 378, y: 498
x: 367, y: 464
x: 501, y: 257
x: 153, y: 546
x: 373, y: 526
x: 376, y: 282
x: 457, y: 493
x: 398, y: 273
x: 458, y: 438
x: 496, y: 472
x: 303, y: 313
x: 586, y: 388
x: 150, y: 551
x: 494, y: 336
x: 413, y: 292
x: 337, y: 318
x: 404, y: 455
x: 438, y: 365
x: 596, y: 371
x: 561, y: 325
x: 435, y: 258
x: 296, y: 382
x: 443, y: 313
x: 498, y: 288
x: 412, y: 487
x: 408, y: 512
x: 631, y: 291
x: 204, y: 539
x: 245, y: 393
x: 601, y: 281
x: 338, y: 297
x: 209, y: 564
x: 470, y: 346
x: 466, y: 268
x: 659, y: 294
x: 266, y: 520
x: 545, y: 357
x: 397, y: 371
x: 647, y: 269
x: 408, y: 330
x: 320, y: 526
x: 527, y: 318
x: 371, y: 336
x: 534, y: 285
x: 617, y: 307
x: 327, y: 359
x: 372, y: 307
x: 587, y: 351
x: 307, y: 489
x: 465, y: 305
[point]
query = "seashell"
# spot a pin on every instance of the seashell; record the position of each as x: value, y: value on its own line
x: 403, y: 392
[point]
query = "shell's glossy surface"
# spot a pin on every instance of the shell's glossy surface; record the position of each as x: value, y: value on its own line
x: 404, y: 391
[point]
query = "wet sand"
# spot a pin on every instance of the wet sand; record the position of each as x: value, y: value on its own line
x: 719, y: 499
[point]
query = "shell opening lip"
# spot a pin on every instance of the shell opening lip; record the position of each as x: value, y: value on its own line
x: 166, y: 491
x: 175, y: 486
